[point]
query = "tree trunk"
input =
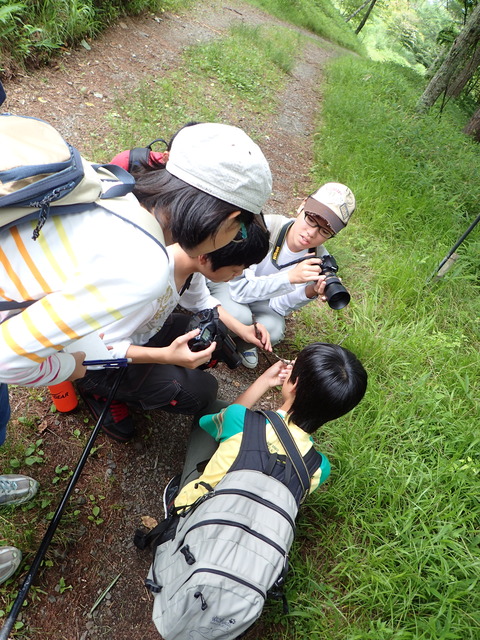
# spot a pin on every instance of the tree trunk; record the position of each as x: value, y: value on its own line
x: 458, y: 55
x: 457, y: 85
x: 357, y: 11
x: 472, y: 128
x: 365, y: 17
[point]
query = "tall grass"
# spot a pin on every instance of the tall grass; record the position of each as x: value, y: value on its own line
x: 319, y: 16
x: 397, y: 536
x: 32, y: 32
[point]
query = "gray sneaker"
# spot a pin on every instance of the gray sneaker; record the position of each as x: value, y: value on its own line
x: 16, y: 489
x: 10, y: 559
x: 249, y: 358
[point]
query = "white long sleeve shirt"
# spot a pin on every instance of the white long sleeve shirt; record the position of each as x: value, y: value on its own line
x: 139, y: 327
x: 267, y: 281
x: 85, y: 271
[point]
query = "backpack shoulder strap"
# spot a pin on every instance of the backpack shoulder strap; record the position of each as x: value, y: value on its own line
x: 291, y: 448
x: 141, y: 155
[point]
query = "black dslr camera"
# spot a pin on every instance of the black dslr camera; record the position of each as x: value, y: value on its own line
x: 212, y: 329
x: 336, y: 294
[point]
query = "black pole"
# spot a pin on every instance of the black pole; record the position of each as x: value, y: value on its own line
x: 452, y: 250
x: 22, y: 594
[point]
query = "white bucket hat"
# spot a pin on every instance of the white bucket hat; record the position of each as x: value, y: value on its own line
x: 223, y: 161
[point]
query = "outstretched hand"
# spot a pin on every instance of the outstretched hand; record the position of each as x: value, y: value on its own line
x: 257, y: 335
x: 277, y: 374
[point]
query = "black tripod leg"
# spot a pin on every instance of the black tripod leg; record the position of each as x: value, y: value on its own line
x: 47, y: 538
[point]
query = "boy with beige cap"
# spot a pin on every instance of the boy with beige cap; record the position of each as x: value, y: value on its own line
x: 286, y: 279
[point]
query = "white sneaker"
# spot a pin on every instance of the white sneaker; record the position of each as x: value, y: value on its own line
x: 16, y: 489
x: 249, y: 358
x: 10, y: 559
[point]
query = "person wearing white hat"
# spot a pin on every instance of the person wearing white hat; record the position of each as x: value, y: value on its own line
x: 92, y: 268
x: 287, y: 279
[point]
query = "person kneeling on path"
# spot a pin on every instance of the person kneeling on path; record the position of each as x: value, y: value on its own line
x: 92, y: 268
x: 325, y: 382
x: 161, y: 376
x: 289, y: 277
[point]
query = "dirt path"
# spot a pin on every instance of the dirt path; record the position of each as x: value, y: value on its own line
x: 75, y: 94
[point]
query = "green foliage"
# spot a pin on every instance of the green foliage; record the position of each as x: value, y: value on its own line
x: 396, y: 533
x: 31, y: 32
x: 318, y: 16
x: 402, y: 31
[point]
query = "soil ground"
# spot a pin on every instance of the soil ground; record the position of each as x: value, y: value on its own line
x: 126, y: 481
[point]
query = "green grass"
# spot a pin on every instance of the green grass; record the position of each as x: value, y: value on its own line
x: 32, y: 32
x: 398, y: 529
x: 319, y: 16
x: 214, y: 82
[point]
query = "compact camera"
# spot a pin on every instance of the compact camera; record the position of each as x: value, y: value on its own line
x: 336, y: 294
x: 212, y: 329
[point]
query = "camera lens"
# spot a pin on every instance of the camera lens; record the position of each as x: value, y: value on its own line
x: 336, y: 294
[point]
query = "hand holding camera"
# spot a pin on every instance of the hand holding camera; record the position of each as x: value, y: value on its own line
x: 212, y: 329
x: 335, y: 293
x: 307, y: 270
x: 182, y: 356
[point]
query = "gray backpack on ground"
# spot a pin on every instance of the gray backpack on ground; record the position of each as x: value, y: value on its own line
x: 215, y: 565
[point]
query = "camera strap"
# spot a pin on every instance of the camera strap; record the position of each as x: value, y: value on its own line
x: 279, y: 242
x: 186, y: 285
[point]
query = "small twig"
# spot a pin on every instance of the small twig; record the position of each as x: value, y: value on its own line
x: 102, y: 596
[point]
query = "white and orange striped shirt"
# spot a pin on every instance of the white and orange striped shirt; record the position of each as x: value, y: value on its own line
x: 86, y: 270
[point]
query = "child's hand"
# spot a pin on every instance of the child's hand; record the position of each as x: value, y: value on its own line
x: 276, y: 374
x: 305, y: 271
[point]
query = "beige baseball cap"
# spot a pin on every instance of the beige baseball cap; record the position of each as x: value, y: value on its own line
x: 334, y: 202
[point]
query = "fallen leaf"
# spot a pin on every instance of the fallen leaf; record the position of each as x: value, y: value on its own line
x: 89, y: 104
x: 42, y: 426
x: 149, y: 522
x: 41, y: 99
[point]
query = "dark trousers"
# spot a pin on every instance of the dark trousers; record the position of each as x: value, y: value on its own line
x: 159, y: 386
x: 4, y: 411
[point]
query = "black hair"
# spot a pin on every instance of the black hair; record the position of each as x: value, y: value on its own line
x: 191, y: 215
x: 250, y: 250
x: 330, y: 381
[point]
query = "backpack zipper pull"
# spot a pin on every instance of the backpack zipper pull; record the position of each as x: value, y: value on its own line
x: 189, y: 557
x: 44, y: 206
x: 199, y: 594
x: 42, y: 218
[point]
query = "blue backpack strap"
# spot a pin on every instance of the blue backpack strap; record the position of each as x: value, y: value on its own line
x: 126, y: 181
x: 291, y: 448
x: 13, y: 304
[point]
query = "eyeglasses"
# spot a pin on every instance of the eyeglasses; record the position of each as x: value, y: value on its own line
x: 242, y: 234
x: 312, y: 221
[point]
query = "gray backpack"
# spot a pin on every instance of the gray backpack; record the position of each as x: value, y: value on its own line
x: 215, y: 565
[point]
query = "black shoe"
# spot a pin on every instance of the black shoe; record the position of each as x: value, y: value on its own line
x: 170, y: 492
x: 117, y: 422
